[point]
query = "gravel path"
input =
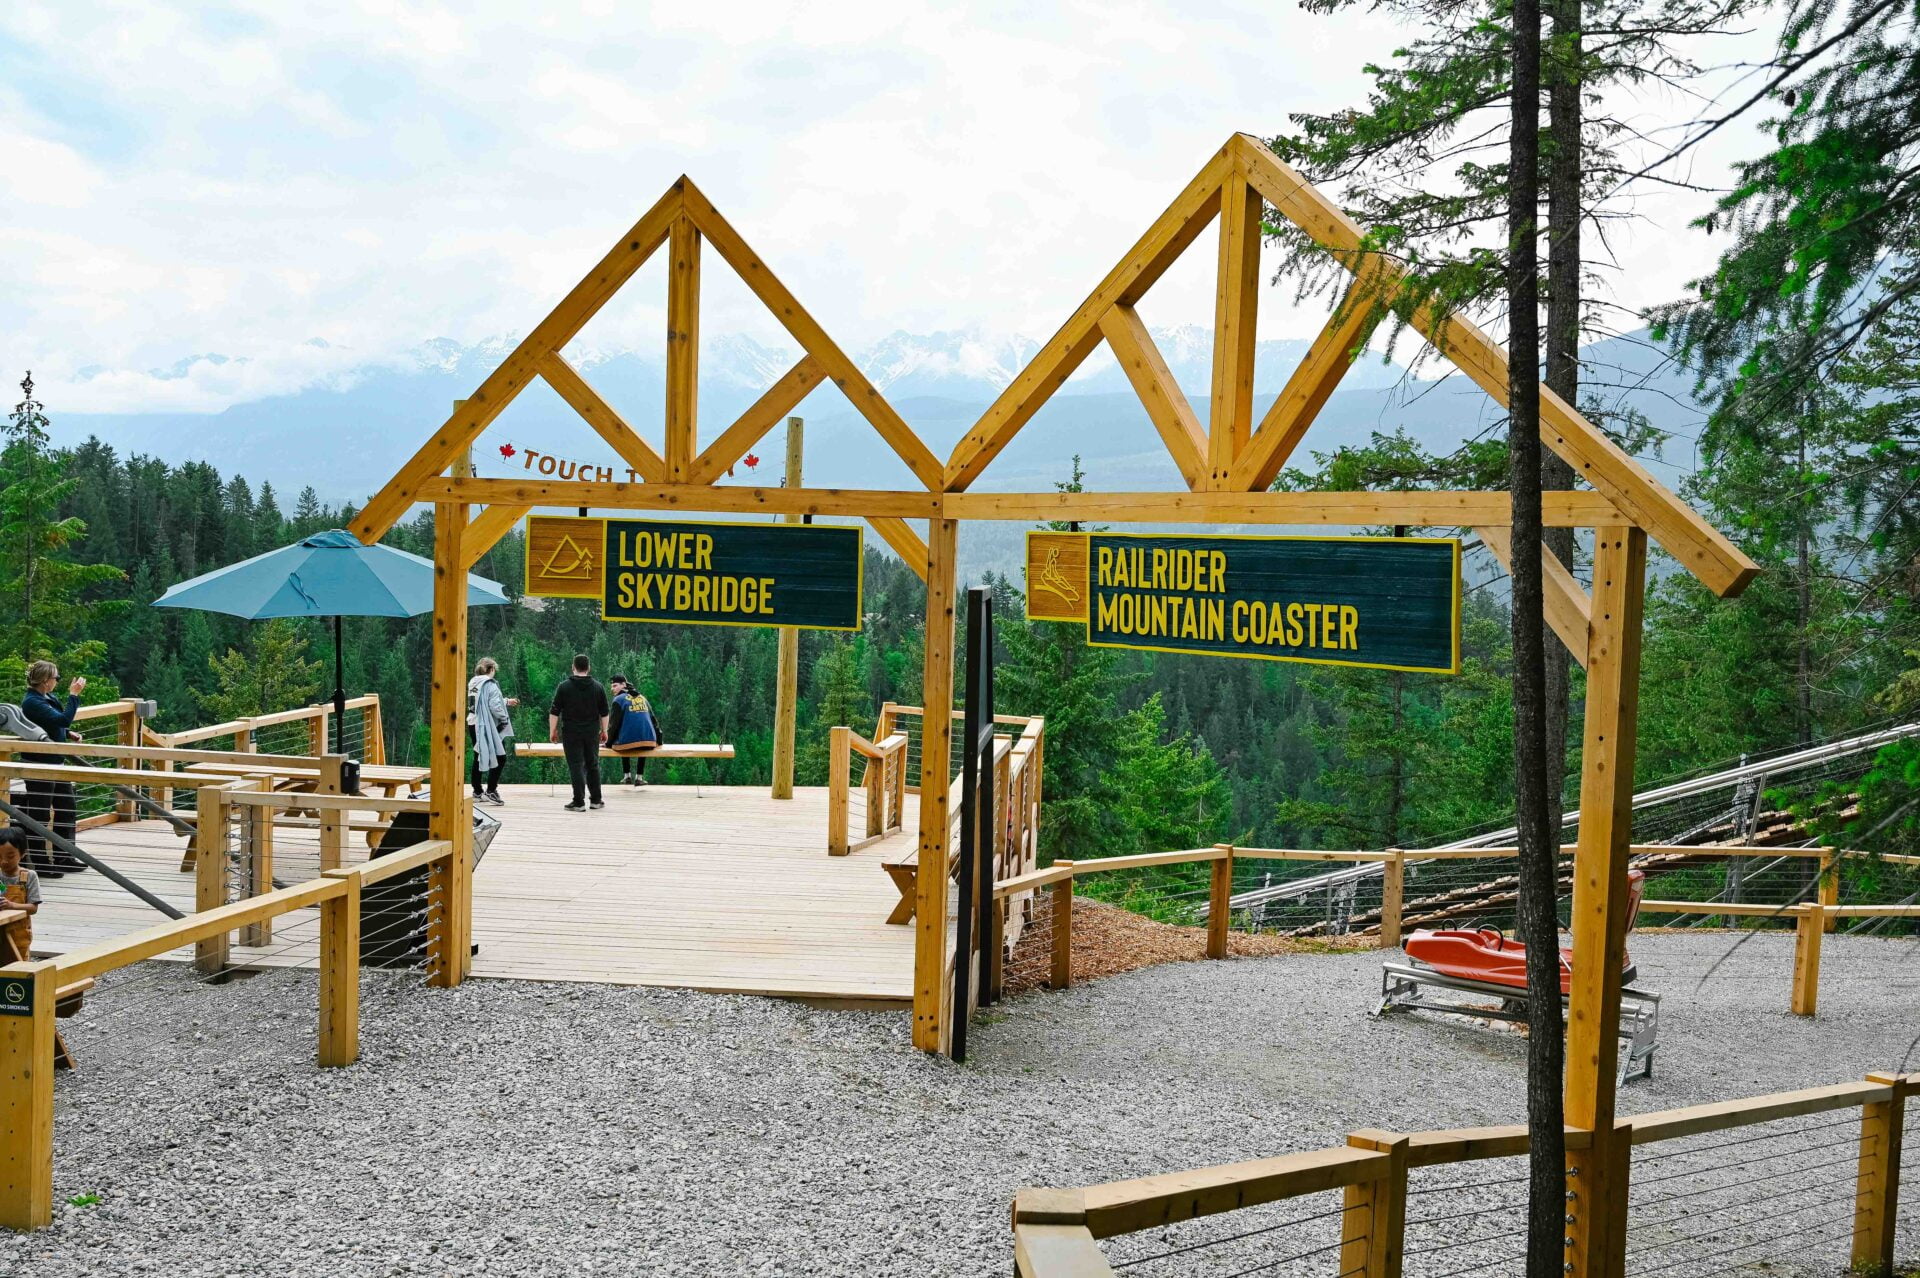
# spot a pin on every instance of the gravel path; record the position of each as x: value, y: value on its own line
x: 509, y: 1128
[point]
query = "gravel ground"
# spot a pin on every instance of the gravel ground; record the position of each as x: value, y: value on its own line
x: 511, y: 1128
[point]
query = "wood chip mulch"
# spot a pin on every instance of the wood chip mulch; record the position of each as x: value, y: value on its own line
x: 1108, y: 940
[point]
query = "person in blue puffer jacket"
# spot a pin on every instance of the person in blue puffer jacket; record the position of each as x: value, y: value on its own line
x: 634, y: 728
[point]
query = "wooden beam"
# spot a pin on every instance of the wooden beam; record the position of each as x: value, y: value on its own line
x: 813, y: 339
x: 1236, y: 310
x: 906, y: 543
x: 1595, y: 458
x: 1159, y: 393
x: 786, y: 683
x: 1568, y: 609
x: 1719, y: 1116
x: 690, y: 498
x: 752, y: 426
x: 498, y: 390
x: 447, y: 818
x: 1416, y: 509
x: 930, y: 943
x: 124, y: 951
x: 485, y: 530
x: 1154, y: 1201
x: 683, y: 350
x: 1053, y: 363
x: 636, y: 452
x: 1308, y: 388
x: 1599, y: 912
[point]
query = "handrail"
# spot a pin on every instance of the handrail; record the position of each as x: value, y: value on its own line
x: 1055, y: 1230
x: 105, y: 956
x: 306, y: 801
x: 82, y: 775
x: 394, y: 864
x: 163, y: 754
x: 885, y: 783
x: 106, y: 709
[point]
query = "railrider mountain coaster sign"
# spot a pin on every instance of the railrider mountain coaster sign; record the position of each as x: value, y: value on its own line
x: 700, y: 572
x: 1392, y: 603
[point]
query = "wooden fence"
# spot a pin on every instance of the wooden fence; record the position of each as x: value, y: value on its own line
x: 883, y: 786
x: 27, y: 1036
x: 1057, y: 1232
x: 1017, y: 894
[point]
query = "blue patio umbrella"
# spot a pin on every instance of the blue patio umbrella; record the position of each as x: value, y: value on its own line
x: 330, y: 574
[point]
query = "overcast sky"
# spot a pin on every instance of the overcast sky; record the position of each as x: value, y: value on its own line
x: 178, y: 179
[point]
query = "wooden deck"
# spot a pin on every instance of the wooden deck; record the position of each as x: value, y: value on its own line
x: 696, y: 887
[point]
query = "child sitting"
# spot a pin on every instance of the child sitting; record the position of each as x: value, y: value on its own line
x: 19, y: 890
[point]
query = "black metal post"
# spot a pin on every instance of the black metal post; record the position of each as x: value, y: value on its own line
x: 976, y: 821
x: 339, y: 692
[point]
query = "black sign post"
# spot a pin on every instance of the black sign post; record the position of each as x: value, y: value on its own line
x: 977, y: 824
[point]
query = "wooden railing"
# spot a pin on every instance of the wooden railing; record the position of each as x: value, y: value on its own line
x: 1811, y: 919
x: 883, y: 783
x: 26, y: 1038
x: 1057, y: 1232
x: 317, y: 719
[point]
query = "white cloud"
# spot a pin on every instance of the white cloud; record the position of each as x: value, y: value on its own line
x: 377, y: 174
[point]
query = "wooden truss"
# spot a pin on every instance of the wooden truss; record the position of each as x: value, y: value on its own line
x: 683, y: 219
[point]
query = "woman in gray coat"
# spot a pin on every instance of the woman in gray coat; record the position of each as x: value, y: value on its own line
x: 489, y: 729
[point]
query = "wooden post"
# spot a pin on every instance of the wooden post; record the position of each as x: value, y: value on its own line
x: 1876, y: 1203
x: 1830, y: 887
x: 375, y: 746
x: 1600, y: 884
x: 1808, y: 929
x: 1220, y: 904
x: 333, y: 823
x: 1393, y: 896
x: 874, y: 781
x: 129, y: 735
x: 450, y: 880
x: 1062, y: 976
x: 1373, y: 1228
x: 243, y: 739
x: 930, y: 985
x: 211, y: 828
x: 317, y: 732
x: 683, y: 350
x: 839, y: 765
x: 786, y: 687
x: 256, y: 824
x: 26, y: 1101
x: 340, y: 972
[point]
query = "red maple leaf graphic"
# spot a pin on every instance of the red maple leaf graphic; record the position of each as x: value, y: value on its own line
x: 751, y: 461
x: 506, y: 450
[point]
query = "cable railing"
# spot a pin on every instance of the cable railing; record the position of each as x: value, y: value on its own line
x: 1198, y: 889
x: 1805, y: 1181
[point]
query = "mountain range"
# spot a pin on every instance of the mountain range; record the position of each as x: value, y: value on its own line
x: 345, y: 434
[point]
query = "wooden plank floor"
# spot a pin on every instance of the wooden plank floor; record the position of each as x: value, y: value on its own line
x: 698, y: 887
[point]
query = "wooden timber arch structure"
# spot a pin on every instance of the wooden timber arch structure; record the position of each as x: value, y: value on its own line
x: 1228, y: 461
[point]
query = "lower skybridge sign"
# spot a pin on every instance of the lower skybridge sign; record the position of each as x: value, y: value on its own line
x: 1391, y: 603
x: 704, y: 573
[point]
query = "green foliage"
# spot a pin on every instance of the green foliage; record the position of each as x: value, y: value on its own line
x: 270, y: 675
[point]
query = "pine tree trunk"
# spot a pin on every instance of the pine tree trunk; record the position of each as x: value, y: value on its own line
x: 1564, y: 296
x: 1538, y: 841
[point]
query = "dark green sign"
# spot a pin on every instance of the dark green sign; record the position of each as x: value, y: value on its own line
x: 732, y: 574
x: 1392, y: 603
x: 16, y: 994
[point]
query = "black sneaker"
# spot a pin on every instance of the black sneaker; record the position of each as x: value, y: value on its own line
x: 576, y: 807
x: 493, y: 797
x: 46, y: 869
x: 596, y: 805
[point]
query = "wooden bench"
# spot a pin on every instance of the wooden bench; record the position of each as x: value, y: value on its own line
x: 67, y: 1000
x: 553, y: 750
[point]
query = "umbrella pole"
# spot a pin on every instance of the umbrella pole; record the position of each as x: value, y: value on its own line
x: 339, y: 692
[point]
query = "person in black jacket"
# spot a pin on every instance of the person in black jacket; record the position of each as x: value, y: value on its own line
x: 577, y: 719
x: 52, y: 803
